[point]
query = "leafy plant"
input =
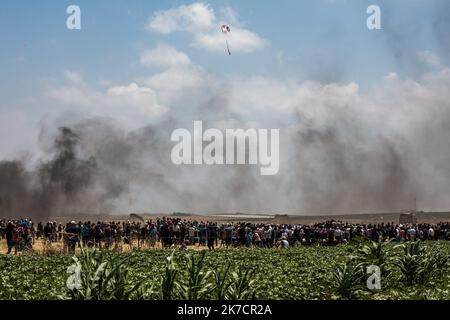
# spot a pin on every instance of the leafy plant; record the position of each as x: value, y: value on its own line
x: 375, y: 252
x: 411, y: 263
x: 222, y: 283
x: 434, y: 264
x: 242, y: 285
x: 348, y: 278
x: 195, y: 284
x: 168, y: 281
x: 95, y: 276
x: 302, y: 272
x: 419, y: 264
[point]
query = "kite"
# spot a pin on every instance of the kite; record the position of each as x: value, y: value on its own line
x: 226, y: 31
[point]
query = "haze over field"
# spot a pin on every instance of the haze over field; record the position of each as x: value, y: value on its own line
x: 364, y: 116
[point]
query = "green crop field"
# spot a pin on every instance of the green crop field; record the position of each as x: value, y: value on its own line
x: 411, y: 271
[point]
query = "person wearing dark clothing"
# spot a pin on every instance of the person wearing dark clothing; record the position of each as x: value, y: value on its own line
x: 241, y: 235
x: 40, y: 230
x: 183, y: 232
x: 108, y: 236
x: 85, y: 233
x: 9, y: 230
x: 48, y: 232
x: 72, y: 233
x: 212, y: 235
x: 164, y: 233
x: 228, y: 235
x: 98, y: 233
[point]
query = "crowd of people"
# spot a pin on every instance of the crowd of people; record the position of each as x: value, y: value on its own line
x: 168, y: 232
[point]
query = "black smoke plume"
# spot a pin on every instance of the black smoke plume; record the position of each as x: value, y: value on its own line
x: 56, y: 187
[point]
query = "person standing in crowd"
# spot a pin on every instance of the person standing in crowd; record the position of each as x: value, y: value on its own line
x: 228, y: 235
x: 85, y: 233
x: 48, y: 232
x: 212, y: 235
x: 284, y: 244
x: 171, y: 232
x: 72, y: 234
x: 9, y: 231
x: 430, y: 233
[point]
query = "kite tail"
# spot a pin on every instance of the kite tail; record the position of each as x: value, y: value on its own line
x: 228, y: 48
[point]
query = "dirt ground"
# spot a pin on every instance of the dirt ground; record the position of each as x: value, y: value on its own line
x: 40, y: 248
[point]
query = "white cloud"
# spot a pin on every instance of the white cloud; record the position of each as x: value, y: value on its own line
x: 164, y: 56
x: 196, y: 16
x: 177, y: 79
x: 392, y: 76
x: 239, y: 40
x: 182, y: 88
x: 140, y: 100
x: 130, y: 104
x: 428, y: 57
x: 200, y: 20
x: 230, y: 16
x: 74, y: 95
x: 73, y: 76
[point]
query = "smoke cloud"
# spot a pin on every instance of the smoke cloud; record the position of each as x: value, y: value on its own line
x: 342, y: 151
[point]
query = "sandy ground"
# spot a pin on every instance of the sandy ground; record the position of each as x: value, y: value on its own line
x: 40, y: 248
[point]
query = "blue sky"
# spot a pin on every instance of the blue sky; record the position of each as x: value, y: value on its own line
x: 326, y: 41
x: 319, y: 40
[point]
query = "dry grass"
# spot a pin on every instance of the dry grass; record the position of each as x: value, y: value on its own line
x: 55, y: 248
